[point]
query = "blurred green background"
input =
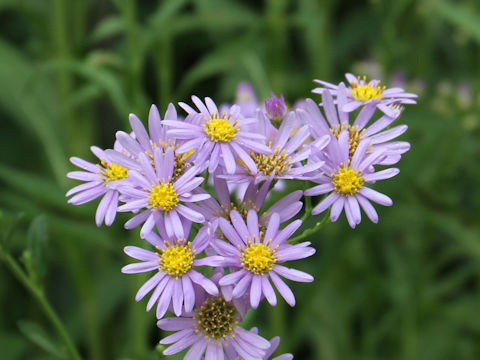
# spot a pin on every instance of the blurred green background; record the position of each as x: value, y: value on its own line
x: 72, y: 70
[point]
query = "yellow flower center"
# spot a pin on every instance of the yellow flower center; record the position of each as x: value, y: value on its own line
x: 362, y: 91
x: 163, y: 196
x: 278, y: 162
x: 347, y: 181
x: 354, y: 136
x: 112, y: 172
x: 216, y: 318
x: 258, y: 258
x: 219, y: 129
x: 176, y: 259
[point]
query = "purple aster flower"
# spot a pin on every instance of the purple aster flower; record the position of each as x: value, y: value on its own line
x: 141, y: 141
x: 362, y: 92
x: 212, y: 330
x: 174, y: 261
x: 362, y: 127
x: 161, y: 197
x: 216, y: 136
x: 100, y: 180
x: 344, y: 178
x: 257, y: 255
x: 276, y: 108
x: 288, y: 150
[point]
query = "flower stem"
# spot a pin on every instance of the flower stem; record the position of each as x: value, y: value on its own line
x: 310, y: 231
x: 308, y: 208
x: 38, y: 294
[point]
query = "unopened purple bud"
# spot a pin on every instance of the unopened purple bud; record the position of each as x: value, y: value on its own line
x: 276, y: 107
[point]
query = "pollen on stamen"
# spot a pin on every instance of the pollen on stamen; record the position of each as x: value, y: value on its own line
x: 112, y: 171
x: 220, y: 129
x: 163, y: 196
x: 177, y: 259
x: 363, y: 91
x: 278, y: 163
x: 258, y: 258
x: 347, y: 181
x: 354, y: 136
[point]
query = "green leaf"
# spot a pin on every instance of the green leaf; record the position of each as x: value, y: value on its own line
x: 109, y: 27
x: 38, y: 335
x: 37, y: 242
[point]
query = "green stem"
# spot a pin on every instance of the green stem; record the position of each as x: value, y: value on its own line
x: 42, y: 300
x: 277, y: 324
x: 308, y: 207
x: 310, y: 231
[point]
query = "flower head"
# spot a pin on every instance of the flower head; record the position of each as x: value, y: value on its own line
x: 100, y: 179
x: 345, y: 179
x: 361, y: 92
x: 217, y: 137
x: 256, y: 257
x: 160, y: 197
x: 175, y: 261
x: 363, y: 127
x: 212, y: 330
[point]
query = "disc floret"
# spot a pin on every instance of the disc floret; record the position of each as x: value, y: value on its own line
x: 163, y: 196
x: 112, y: 171
x: 177, y: 259
x: 219, y: 129
x: 347, y: 181
x: 354, y: 135
x: 216, y: 318
x: 258, y: 258
x: 363, y: 91
x: 278, y: 163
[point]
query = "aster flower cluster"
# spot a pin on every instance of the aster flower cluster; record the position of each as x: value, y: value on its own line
x: 178, y: 176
